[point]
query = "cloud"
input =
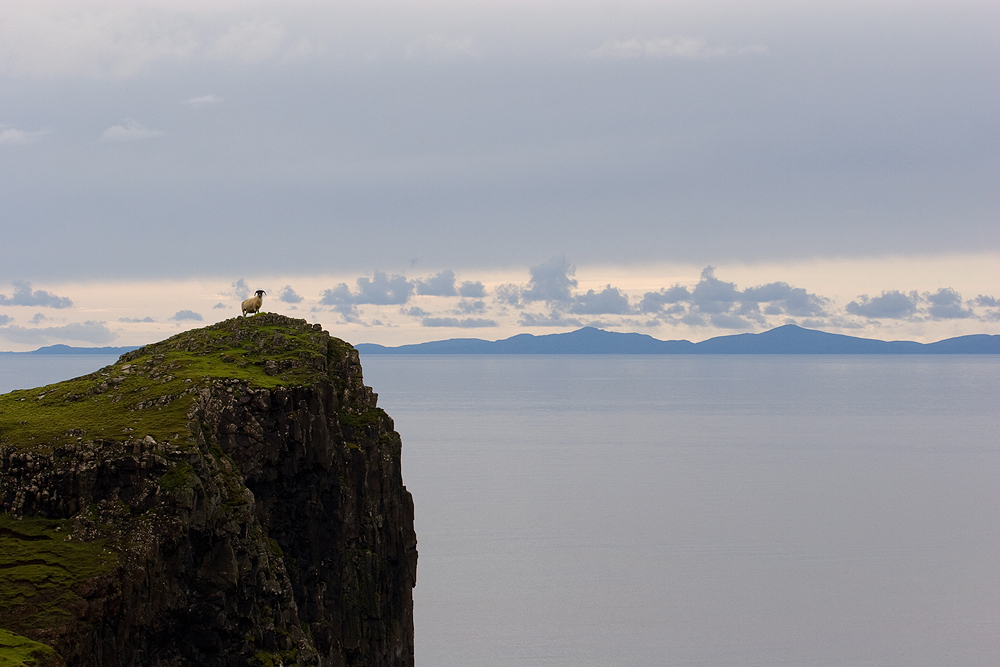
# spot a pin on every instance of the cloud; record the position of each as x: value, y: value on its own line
x: 987, y: 301
x: 550, y: 320
x: 946, y: 304
x: 787, y: 300
x: 679, y: 46
x: 984, y: 300
x: 199, y: 102
x: 23, y: 296
x: 379, y: 290
x: 712, y: 295
x: 348, y: 311
x: 550, y: 281
x: 241, y: 289
x: 438, y: 46
x: 136, y: 320
x: 609, y: 301
x: 468, y: 323
x: 5, y: 319
x: 288, y: 295
x: 507, y: 294
x: 892, y: 305
x: 10, y: 136
x: 181, y: 315
x: 248, y: 42
x: 723, y: 304
x: 128, y: 131
x: 653, y: 302
x: 467, y: 306
x: 474, y: 290
x: 219, y: 305
x: 90, y: 332
x: 414, y: 312
x: 442, y: 284
x: 38, y: 318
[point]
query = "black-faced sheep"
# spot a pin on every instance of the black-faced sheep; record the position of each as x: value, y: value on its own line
x: 252, y: 305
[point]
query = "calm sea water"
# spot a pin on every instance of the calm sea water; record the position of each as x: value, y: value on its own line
x: 26, y: 371
x: 658, y: 511
x: 653, y: 511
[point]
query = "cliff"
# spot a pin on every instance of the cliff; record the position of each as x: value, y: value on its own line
x: 229, y: 496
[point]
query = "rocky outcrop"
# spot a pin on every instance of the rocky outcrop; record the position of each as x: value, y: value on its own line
x: 229, y: 496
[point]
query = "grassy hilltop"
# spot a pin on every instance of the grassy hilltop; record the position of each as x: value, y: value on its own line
x: 150, y: 390
x: 129, y: 495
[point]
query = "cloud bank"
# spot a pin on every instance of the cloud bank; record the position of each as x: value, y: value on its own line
x: 24, y: 296
x: 549, y: 297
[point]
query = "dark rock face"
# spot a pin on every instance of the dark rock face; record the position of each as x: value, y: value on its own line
x: 274, y: 530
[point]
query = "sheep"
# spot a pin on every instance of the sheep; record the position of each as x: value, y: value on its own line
x: 252, y: 305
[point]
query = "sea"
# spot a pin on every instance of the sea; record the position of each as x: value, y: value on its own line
x: 661, y: 511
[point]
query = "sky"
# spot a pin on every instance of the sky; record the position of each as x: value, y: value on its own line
x: 412, y: 170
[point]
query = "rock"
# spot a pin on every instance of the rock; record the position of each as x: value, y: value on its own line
x: 236, y: 518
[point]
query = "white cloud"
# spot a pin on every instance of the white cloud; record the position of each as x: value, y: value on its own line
x: 248, y: 42
x: 129, y: 130
x: 204, y: 100
x: 10, y: 136
x: 679, y: 46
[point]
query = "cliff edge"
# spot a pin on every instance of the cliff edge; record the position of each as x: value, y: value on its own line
x: 229, y: 496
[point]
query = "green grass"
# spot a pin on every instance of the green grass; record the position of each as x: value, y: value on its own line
x: 18, y: 651
x: 41, y: 570
x: 149, y: 391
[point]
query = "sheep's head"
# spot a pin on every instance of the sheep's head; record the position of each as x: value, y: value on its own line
x: 260, y: 292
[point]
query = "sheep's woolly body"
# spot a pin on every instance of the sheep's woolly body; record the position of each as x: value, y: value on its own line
x: 252, y: 305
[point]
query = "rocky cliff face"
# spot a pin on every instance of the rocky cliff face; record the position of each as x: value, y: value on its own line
x: 229, y: 496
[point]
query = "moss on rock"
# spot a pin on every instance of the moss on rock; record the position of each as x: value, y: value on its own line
x: 18, y: 651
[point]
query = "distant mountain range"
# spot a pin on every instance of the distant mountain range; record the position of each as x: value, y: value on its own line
x: 788, y: 339
x: 69, y: 349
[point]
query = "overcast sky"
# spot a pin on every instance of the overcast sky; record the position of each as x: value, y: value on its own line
x: 680, y: 168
